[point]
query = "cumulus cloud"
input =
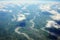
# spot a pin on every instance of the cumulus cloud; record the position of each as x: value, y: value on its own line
x: 53, y: 12
x: 55, y: 16
x: 52, y: 24
x: 21, y: 17
x: 48, y: 6
x: 45, y: 7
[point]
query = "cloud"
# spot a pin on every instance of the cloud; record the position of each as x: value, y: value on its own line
x: 45, y: 7
x: 56, y: 17
x: 52, y: 24
x: 21, y: 17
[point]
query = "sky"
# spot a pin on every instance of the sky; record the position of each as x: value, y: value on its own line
x: 29, y: 0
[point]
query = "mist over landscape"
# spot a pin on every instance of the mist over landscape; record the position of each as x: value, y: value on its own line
x: 29, y: 20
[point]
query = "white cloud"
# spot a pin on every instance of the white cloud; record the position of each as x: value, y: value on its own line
x: 45, y: 7
x: 56, y: 17
x: 27, y: 2
x: 53, y: 12
x: 52, y: 24
x: 21, y: 17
